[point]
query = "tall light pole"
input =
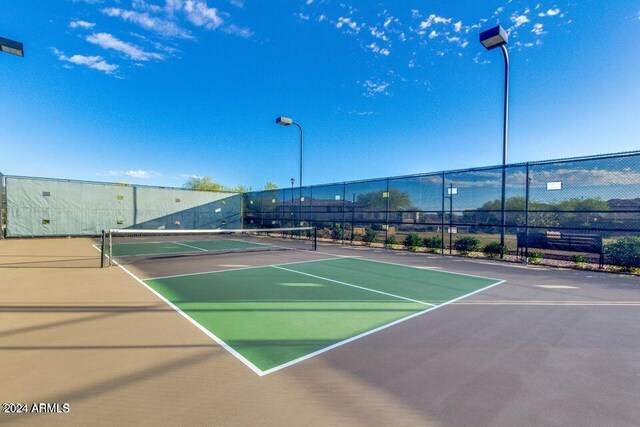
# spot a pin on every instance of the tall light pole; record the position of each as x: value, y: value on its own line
x: 293, y: 181
x: 285, y: 121
x: 491, y: 39
x: 14, y: 48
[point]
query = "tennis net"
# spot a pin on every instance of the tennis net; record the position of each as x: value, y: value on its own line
x: 125, y: 246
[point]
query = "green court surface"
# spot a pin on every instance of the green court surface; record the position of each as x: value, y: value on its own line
x: 168, y: 247
x: 273, y: 316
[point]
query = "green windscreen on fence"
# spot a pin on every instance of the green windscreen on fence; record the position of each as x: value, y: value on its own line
x: 52, y: 207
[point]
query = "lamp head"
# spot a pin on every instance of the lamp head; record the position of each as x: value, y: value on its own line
x: 284, y: 121
x: 11, y: 46
x: 494, y: 37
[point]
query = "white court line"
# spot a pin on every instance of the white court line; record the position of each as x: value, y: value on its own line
x: 354, y: 286
x: 237, y: 269
x: 372, y: 331
x: 420, y: 268
x: 189, y: 246
x: 557, y: 303
x: 506, y: 264
x: 262, y: 373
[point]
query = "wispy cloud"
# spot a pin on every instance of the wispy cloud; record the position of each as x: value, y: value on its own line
x: 158, y: 25
x: 135, y: 173
x: 109, y: 41
x: 519, y: 20
x: 95, y: 62
x: 81, y: 24
x: 538, y: 29
x: 550, y: 12
x: 374, y: 88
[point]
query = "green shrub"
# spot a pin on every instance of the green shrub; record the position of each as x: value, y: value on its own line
x: 337, y: 233
x: 464, y: 245
x: 493, y: 250
x: 412, y: 241
x: 535, y: 257
x: 370, y: 236
x: 390, y: 241
x: 579, y: 260
x: 624, y: 252
x: 324, y: 233
x: 432, y: 243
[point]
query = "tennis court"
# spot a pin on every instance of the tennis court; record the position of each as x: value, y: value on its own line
x: 258, y: 334
x: 273, y: 316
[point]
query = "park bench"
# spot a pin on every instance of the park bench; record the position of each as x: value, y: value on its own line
x: 560, y: 241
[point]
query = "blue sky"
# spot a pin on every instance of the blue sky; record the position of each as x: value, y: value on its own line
x: 155, y: 91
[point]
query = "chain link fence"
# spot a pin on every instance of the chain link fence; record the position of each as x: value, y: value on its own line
x: 582, y: 212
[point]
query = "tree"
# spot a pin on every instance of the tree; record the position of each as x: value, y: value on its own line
x: 240, y: 189
x: 203, y: 184
x: 270, y: 186
x: 206, y: 184
x: 375, y: 200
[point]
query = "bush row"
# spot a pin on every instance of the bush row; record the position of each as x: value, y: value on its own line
x: 624, y: 252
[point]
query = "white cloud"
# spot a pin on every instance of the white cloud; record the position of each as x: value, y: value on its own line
x: 237, y: 3
x: 94, y: 62
x: 550, y: 12
x: 342, y: 21
x: 457, y: 26
x: 81, y: 24
x: 434, y: 19
x: 377, y: 49
x: 538, y: 29
x: 190, y: 175
x: 237, y: 31
x: 433, y: 34
x: 152, y: 23
x: 375, y: 88
x: 201, y: 15
x: 519, y: 20
x: 143, y: 5
x: 108, y: 41
x: 135, y: 173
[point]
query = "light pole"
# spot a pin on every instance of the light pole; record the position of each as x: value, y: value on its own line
x: 491, y: 39
x: 285, y: 121
x: 14, y: 48
x: 293, y: 180
x: 11, y: 46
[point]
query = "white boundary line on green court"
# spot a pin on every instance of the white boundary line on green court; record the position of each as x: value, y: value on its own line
x: 259, y: 371
x: 372, y: 331
x: 236, y: 269
x: 354, y: 286
x: 189, y: 246
x: 207, y: 332
x: 420, y: 268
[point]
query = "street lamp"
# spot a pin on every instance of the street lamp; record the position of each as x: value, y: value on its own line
x: 11, y: 46
x: 491, y: 39
x: 285, y: 121
x: 293, y: 181
x: 14, y: 48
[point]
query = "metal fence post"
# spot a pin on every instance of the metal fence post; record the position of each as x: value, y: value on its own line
x: 526, y: 217
x: 353, y: 216
x: 442, y: 222
x: 344, y: 206
x: 386, y: 217
x: 3, y: 208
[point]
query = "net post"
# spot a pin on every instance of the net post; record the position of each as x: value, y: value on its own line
x: 102, y: 250
x: 315, y: 238
x: 110, y: 246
